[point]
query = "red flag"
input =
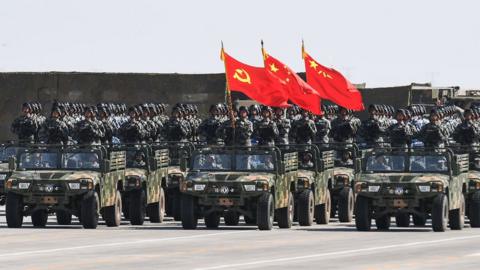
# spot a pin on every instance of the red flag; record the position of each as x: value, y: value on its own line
x: 254, y: 82
x: 333, y: 84
x: 299, y: 92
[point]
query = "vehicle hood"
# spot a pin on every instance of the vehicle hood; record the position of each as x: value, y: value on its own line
x: 343, y: 171
x: 474, y: 175
x: 404, y: 178
x: 306, y: 174
x: 230, y: 176
x: 135, y: 172
x: 55, y: 175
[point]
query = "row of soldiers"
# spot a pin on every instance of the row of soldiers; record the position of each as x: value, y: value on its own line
x: 263, y: 125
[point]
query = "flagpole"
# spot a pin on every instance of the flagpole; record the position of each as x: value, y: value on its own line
x: 228, y: 94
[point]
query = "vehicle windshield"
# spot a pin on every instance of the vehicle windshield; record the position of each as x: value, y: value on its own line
x: 385, y: 163
x: 136, y: 159
x: 7, y: 152
x: 221, y: 162
x: 80, y: 161
x: 38, y: 160
x: 428, y: 164
x: 263, y: 162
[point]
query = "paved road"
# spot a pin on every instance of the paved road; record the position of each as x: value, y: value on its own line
x: 168, y: 246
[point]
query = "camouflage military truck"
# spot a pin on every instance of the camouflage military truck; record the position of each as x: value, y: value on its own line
x: 341, y: 188
x: 311, y: 190
x: 6, y: 151
x: 251, y: 181
x: 419, y: 182
x: 175, y: 175
x: 145, y: 176
x: 84, y: 181
x: 471, y: 187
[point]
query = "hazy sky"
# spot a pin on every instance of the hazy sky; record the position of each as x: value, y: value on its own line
x: 382, y: 43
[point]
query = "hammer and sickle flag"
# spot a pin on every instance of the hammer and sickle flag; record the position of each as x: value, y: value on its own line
x: 253, y: 82
x: 333, y: 84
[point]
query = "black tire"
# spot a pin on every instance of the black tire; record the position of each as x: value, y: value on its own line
x: 419, y: 220
x: 189, y: 217
x: 231, y: 218
x: 440, y: 213
x: 63, y: 217
x: 14, y: 210
x: 306, y: 208
x: 89, y: 211
x: 285, y: 215
x: 212, y: 220
x: 322, y: 211
x: 177, y: 206
x: 156, y: 211
x: 137, y: 207
x: 39, y: 218
x: 457, y: 216
x: 363, y: 219
x: 402, y: 219
x: 474, y: 210
x: 126, y: 207
x: 346, y: 203
x: 113, y: 214
x: 383, y: 222
x: 265, y: 211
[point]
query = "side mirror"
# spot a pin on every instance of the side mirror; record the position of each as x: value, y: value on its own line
x: 183, y: 164
x: 153, y: 164
x: 358, y: 165
x: 105, y: 166
x: 12, y: 163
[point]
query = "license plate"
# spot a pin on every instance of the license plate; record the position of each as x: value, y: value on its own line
x: 49, y: 200
x: 399, y: 203
x: 225, y: 202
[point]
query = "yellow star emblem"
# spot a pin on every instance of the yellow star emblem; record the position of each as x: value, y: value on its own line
x: 313, y: 64
x: 273, y: 67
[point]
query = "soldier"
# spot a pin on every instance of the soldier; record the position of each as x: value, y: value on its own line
x: 401, y: 133
x: 133, y: 131
x: 373, y: 128
x: 149, y: 124
x: 54, y: 130
x: 344, y: 127
x: 254, y: 113
x: 176, y: 129
x: 208, y: 127
x: 468, y: 132
x: 323, y: 128
x: 242, y: 133
x: 433, y: 134
x: 26, y: 126
x: 266, y: 130
x: 304, y: 130
x: 283, y: 124
x: 90, y: 130
x: 107, y: 125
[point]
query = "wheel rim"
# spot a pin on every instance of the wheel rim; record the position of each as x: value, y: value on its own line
x: 290, y: 209
x: 311, y: 206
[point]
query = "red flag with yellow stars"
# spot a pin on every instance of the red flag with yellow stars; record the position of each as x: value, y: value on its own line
x: 299, y: 92
x: 331, y: 82
x: 254, y: 82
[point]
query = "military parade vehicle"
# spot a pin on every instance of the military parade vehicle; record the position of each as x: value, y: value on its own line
x: 84, y: 181
x: 231, y: 181
x: 418, y: 182
x: 175, y: 175
x: 145, y: 176
x: 311, y: 191
x: 341, y: 186
x: 6, y: 151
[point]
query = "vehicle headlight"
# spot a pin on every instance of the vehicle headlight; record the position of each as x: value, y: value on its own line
x: 373, y: 188
x: 74, y: 185
x: 360, y: 187
x: 424, y: 188
x: 341, y: 180
x: 262, y: 185
x: 3, y: 176
x: 23, y: 185
x: 199, y: 187
x: 249, y: 187
x: 474, y: 184
x: 437, y: 187
x: 133, y: 181
x: 85, y: 183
